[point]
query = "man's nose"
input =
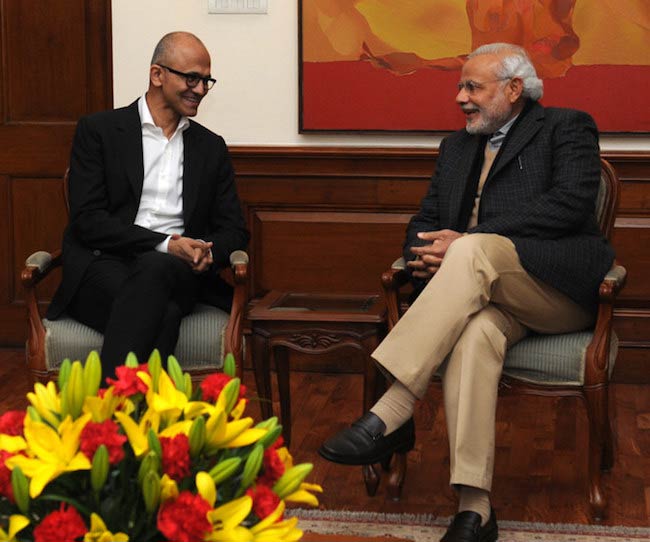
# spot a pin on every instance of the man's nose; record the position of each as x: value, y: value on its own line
x: 462, y: 96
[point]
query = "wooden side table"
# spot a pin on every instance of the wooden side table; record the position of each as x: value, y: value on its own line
x: 312, y: 323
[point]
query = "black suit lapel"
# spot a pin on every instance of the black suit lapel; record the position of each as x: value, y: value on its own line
x: 191, y: 174
x: 524, y: 129
x: 131, y: 145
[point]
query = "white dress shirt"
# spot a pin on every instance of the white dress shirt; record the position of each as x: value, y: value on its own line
x: 161, y: 203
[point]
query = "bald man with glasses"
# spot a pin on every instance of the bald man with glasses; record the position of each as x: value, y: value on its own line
x: 154, y: 211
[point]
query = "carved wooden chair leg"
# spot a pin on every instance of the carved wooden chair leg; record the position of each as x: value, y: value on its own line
x: 371, y: 478
x: 607, y: 459
x: 397, y: 476
x: 596, y: 414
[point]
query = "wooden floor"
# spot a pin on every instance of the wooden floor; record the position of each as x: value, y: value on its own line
x: 540, y: 468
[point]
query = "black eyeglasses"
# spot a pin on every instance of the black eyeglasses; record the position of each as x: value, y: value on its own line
x: 192, y: 79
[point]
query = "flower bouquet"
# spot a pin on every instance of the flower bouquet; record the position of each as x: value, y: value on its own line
x: 147, y: 458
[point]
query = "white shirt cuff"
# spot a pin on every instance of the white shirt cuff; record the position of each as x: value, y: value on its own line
x: 163, y: 247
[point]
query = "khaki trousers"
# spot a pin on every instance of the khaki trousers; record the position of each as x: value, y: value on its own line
x: 480, y: 302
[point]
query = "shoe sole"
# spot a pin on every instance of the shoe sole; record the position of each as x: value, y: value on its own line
x: 344, y: 460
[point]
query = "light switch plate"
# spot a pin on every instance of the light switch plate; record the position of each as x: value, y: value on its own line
x: 238, y: 6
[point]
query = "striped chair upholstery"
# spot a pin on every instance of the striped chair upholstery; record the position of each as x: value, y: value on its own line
x: 554, y: 360
x: 200, y: 342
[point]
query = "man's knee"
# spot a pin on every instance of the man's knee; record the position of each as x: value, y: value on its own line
x: 495, y: 249
x: 154, y: 265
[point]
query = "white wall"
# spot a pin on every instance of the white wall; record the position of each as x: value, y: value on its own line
x: 255, y: 60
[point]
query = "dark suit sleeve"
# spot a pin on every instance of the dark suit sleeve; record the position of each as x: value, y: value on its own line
x: 428, y: 217
x: 92, y: 219
x: 568, y: 201
x: 227, y: 227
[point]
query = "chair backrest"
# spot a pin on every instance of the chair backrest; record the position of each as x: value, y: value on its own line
x: 608, y: 197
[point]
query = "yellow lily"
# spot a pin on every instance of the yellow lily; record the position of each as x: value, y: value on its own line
x: 47, y: 402
x: 168, y: 488
x: 11, y: 444
x: 194, y: 409
x: 304, y: 494
x: 102, y: 408
x: 238, y: 411
x: 223, y: 434
x: 206, y: 487
x: 226, y: 520
x: 16, y: 524
x: 176, y: 429
x: 268, y: 530
x: 169, y: 402
x: 99, y: 533
x: 137, y: 432
x: 53, y: 452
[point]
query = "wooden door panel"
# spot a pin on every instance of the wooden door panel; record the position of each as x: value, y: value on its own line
x: 55, y: 66
x: 39, y: 225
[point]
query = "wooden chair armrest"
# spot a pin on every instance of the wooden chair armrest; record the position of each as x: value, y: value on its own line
x: 239, y: 264
x: 233, y: 334
x: 597, y: 356
x: 396, y: 276
x: 612, y: 284
x: 391, y: 282
x: 38, y: 266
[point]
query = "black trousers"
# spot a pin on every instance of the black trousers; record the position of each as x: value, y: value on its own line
x: 137, y: 303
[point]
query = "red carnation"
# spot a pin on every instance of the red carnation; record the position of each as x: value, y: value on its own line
x: 265, y: 501
x: 5, y: 476
x: 93, y: 435
x: 63, y: 525
x: 176, y: 456
x: 273, y: 467
x: 185, y: 518
x: 213, y: 384
x: 128, y: 383
x: 11, y: 422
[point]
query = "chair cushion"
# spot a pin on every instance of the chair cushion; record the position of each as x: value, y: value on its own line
x: 553, y: 359
x: 200, y: 343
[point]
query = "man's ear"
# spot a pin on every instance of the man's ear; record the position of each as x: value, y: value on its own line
x: 515, y: 89
x: 155, y: 75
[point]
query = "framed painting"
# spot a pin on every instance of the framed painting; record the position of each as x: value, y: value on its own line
x: 393, y: 65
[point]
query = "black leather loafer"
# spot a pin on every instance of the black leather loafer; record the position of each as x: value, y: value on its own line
x: 466, y: 527
x: 364, y: 443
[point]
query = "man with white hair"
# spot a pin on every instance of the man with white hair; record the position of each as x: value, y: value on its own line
x: 506, y: 241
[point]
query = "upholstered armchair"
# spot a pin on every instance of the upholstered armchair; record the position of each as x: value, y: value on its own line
x: 206, y: 335
x: 573, y: 364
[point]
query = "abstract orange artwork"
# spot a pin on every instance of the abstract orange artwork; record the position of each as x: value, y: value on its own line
x: 393, y: 65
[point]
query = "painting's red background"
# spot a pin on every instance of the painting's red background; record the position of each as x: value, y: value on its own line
x: 357, y: 96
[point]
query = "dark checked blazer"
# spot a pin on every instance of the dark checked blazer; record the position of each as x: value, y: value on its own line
x: 540, y: 193
x: 105, y: 186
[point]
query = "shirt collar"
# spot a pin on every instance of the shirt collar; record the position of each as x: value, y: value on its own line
x: 146, y: 120
x: 497, y: 138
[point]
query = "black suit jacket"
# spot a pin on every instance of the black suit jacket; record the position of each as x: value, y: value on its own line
x: 540, y: 193
x: 105, y: 186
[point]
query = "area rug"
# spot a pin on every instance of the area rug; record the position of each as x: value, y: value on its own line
x: 371, y: 527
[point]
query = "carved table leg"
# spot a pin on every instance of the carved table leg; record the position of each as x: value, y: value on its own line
x: 262, y: 369
x: 281, y: 355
